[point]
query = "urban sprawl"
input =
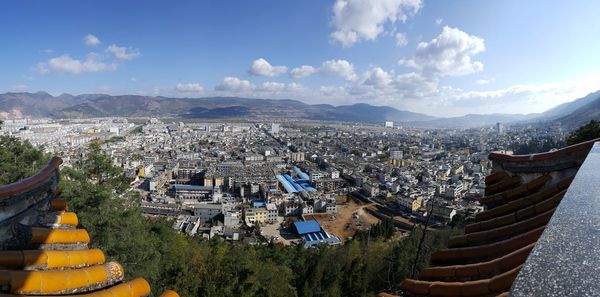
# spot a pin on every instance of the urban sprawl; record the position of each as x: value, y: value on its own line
x: 308, y: 183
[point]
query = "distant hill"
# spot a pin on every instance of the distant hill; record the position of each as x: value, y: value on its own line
x: 367, y: 113
x: 42, y: 104
x: 569, y: 107
x: 233, y: 107
x: 472, y: 120
x: 584, y: 114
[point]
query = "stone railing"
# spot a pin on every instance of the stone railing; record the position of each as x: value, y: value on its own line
x: 22, y: 203
x: 566, y: 258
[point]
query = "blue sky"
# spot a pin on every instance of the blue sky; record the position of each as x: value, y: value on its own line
x: 444, y: 58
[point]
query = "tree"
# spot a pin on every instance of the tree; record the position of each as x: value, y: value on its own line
x: 98, y: 167
x: 19, y: 159
x: 257, y: 229
x: 585, y: 133
x: 536, y: 145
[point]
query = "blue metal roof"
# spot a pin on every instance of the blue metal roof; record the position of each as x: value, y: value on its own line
x: 258, y: 203
x: 305, y: 227
x: 310, y: 189
x: 293, y: 182
x: 301, y: 174
x: 286, y: 184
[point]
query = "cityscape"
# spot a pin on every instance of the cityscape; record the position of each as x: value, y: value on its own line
x: 386, y: 148
x: 222, y: 179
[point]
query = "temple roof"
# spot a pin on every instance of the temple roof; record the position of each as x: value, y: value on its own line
x: 44, y: 251
x: 521, y: 196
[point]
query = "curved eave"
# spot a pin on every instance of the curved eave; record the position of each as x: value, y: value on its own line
x: 31, y: 182
x: 583, y: 147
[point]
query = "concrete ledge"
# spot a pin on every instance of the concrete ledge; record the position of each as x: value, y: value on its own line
x: 566, y: 258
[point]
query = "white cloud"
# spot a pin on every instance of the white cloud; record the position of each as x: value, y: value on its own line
x: 302, y: 71
x: 261, y: 67
x: 234, y: 84
x: 91, y: 40
x: 48, y: 51
x: 341, y: 68
x: 357, y: 20
x: 520, y: 98
x: 484, y: 81
x: 439, y: 21
x: 293, y: 87
x: 332, y: 90
x: 189, y: 88
x: 377, y: 77
x: 449, y: 54
x: 123, y: 53
x: 112, y: 57
x: 271, y: 86
x: 269, y: 89
x: 408, y: 62
x: 19, y: 88
x: 415, y: 92
x: 133, y: 79
x: 385, y: 87
x: 401, y: 40
x: 414, y: 85
x: 530, y: 91
x: 66, y: 64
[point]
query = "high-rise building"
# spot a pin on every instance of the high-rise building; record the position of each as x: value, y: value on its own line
x: 389, y: 124
x: 499, y: 128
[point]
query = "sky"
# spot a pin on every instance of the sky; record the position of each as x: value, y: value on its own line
x: 442, y: 58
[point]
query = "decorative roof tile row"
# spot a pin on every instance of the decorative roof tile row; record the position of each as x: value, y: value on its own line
x: 52, y: 257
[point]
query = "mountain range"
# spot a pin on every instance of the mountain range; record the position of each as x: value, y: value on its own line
x: 42, y: 104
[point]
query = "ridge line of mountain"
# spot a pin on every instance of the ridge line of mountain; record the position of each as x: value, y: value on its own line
x: 43, y: 104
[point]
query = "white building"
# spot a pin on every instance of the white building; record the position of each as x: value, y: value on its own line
x: 334, y: 173
x: 396, y: 155
x: 271, y: 213
x: 317, y: 175
x: 274, y: 128
x: 443, y: 212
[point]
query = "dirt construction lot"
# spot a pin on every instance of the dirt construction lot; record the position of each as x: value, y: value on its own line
x: 349, y: 218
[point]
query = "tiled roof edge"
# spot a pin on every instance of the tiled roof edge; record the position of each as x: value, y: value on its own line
x: 31, y: 182
x: 584, y: 146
